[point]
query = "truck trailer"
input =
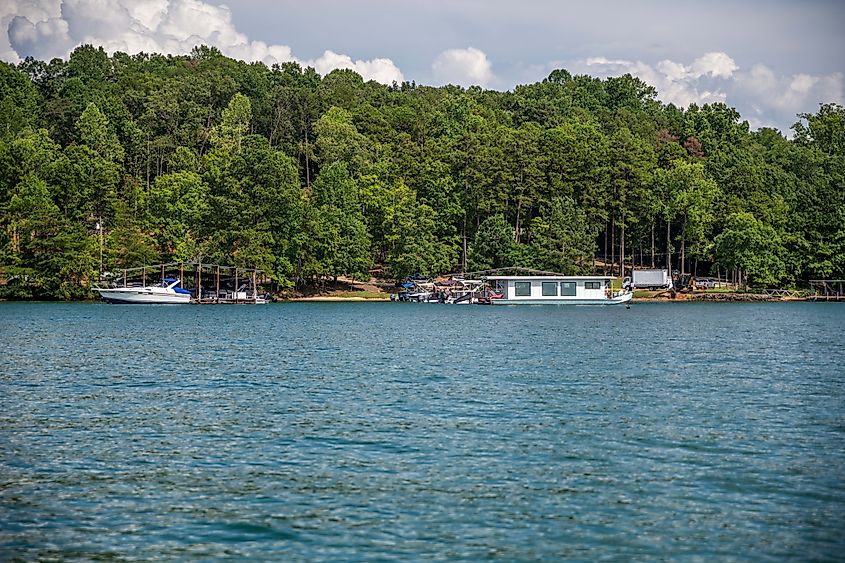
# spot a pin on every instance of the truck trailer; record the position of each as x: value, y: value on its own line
x: 650, y: 279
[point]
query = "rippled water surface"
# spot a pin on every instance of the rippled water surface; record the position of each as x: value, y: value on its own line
x: 338, y: 431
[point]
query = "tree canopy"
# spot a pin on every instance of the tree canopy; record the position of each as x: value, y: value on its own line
x: 157, y: 158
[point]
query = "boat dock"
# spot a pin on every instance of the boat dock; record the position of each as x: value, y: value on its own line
x: 828, y: 290
x: 208, y: 283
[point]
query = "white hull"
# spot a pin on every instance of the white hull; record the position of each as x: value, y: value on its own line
x: 618, y: 300
x: 148, y: 295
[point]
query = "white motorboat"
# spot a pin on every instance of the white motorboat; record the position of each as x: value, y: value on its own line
x: 167, y: 292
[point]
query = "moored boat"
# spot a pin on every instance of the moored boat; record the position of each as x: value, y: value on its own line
x: 454, y: 290
x: 555, y: 290
x: 166, y: 292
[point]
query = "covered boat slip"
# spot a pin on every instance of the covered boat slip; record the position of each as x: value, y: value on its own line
x: 555, y: 290
x: 454, y: 290
x: 207, y: 283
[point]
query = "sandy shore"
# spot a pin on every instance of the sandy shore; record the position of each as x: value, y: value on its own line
x: 338, y: 298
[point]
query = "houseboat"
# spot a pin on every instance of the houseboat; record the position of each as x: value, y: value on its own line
x: 554, y: 290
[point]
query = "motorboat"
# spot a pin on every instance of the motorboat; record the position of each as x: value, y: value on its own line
x: 166, y: 292
x: 453, y: 291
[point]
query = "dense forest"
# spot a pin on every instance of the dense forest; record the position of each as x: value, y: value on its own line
x: 110, y: 162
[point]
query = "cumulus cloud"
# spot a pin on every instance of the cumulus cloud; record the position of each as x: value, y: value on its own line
x: 775, y: 100
x: 466, y: 67
x: 762, y: 97
x: 699, y: 82
x: 52, y: 28
x: 380, y: 70
x: 718, y: 65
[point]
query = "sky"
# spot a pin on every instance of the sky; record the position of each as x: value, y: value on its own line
x: 770, y: 59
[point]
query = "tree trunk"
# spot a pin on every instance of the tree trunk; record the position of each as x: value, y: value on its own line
x: 622, y: 252
x: 307, y: 164
x: 669, y: 247
x: 634, y: 263
x: 148, y: 166
x: 652, y: 244
x: 464, y: 234
x: 606, y: 238
x: 612, y: 245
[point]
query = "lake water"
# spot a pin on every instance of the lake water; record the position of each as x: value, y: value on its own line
x: 392, y: 431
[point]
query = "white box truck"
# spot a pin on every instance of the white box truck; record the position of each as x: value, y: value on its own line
x: 650, y: 279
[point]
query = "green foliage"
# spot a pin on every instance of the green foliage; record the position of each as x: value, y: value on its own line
x: 96, y: 132
x: 494, y: 245
x: 338, y: 140
x: 129, y: 244
x: 20, y: 104
x: 824, y: 130
x: 311, y: 178
x: 413, y: 247
x: 753, y: 247
x: 234, y: 124
x: 693, y: 203
x: 48, y: 255
x: 563, y: 240
x: 254, y: 203
x: 340, y: 232
x: 177, y: 206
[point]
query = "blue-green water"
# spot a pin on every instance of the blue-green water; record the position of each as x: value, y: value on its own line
x: 347, y: 431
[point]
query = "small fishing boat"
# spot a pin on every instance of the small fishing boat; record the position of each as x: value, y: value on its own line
x: 166, y: 292
x: 555, y: 290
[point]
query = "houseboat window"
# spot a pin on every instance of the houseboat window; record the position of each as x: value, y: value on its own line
x: 549, y: 289
x: 592, y: 285
x: 567, y: 289
x: 522, y: 289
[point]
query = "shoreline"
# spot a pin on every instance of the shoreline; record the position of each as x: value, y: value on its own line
x: 333, y: 298
x: 662, y: 298
x: 680, y: 298
x: 723, y: 298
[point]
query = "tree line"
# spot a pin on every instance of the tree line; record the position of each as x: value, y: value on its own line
x: 110, y: 162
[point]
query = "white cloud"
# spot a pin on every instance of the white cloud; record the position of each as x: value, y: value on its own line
x: 762, y: 97
x: 775, y: 100
x: 52, y: 28
x: 20, y: 19
x: 718, y: 65
x: 380, y: 70
x: 676, y: 83
x: 466, y: 67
